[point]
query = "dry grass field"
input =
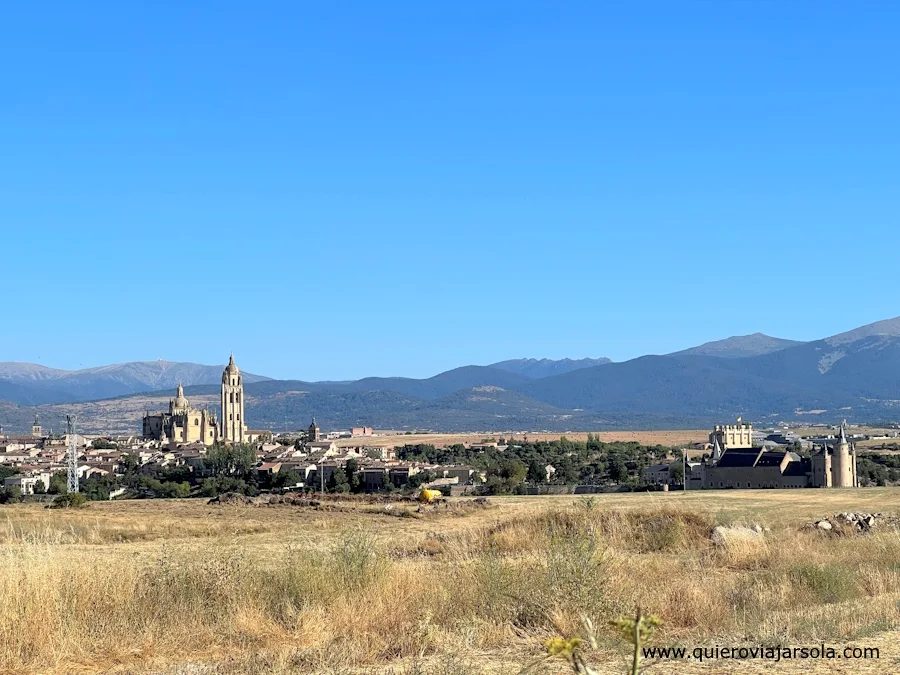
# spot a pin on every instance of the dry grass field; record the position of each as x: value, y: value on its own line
x: 353, y: 587
x: 389, y: 439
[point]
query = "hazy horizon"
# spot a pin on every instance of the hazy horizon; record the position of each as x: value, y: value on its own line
x: 421, y: 375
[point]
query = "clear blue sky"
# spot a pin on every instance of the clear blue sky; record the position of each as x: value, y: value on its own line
x: 334, y: 190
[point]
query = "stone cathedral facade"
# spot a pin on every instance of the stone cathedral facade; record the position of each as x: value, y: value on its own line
x: 184, y: 424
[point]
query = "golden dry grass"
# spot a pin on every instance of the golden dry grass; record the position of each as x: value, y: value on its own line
x: 179, y: 586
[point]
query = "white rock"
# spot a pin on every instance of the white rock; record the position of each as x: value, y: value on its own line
x: 722, y: 536
x: 823, y: 525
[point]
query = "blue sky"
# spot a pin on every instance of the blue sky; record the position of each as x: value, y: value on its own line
x: 334, y: 190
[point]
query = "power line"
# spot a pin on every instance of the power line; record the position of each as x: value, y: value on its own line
x: 72, y: 479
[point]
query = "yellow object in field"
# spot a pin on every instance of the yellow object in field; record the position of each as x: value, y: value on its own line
x: 429, y: 496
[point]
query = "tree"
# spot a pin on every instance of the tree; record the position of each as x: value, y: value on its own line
x: 416, y: 480
x: 537, y: 472
x: 131, y: 464
x: 351, y: 470
x: 181, y: 490
x: 505, y: 476
x: 337, y: 482
x: 238, y: 461
x: 59, y: 484
x: 618, y: 469
x: 676, y: 472
x: 40, y: 488
x: 287, y: 479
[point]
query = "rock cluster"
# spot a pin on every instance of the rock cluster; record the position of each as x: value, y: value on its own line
x: 265, y: 500
x: 231, y: 498
x: 291, y: 500
x: 861, y: 522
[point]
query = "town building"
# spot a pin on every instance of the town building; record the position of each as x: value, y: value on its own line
x: 27, y: 483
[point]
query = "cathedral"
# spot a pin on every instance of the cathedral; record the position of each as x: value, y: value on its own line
x: 183, y: 424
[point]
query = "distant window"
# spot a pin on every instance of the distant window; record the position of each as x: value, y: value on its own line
x: 239, y: 418
x: 230, y: 416
x: 196, y: 422
x: 237, y: 398
x: 231, y: 397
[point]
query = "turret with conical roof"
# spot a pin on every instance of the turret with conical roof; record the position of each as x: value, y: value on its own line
x: 842, y: 464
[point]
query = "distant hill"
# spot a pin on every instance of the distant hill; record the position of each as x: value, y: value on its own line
x: 678, y: 385
x: 740, y: 346
x: 445, y: 383
x: 886, y: 328
x: 853, y: 375
x: 38, y: 383
x: 538, y: 368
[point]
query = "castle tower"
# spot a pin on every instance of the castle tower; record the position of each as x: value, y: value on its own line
x: 312, y: 434
x: 842, y: 464
x: 732, y: 436
x: 822, y: 474
x: 233, y: 427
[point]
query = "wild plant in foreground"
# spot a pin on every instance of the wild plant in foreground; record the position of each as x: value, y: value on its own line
x: 637, y: 630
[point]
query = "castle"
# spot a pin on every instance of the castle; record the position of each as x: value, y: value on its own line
x: 183, y: 424
x: 735, y: 463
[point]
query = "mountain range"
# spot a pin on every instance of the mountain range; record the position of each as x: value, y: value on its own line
x: 852, y: 375
x: 31, y: 384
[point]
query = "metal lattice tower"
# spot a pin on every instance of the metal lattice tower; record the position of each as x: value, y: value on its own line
x: 72, y: 455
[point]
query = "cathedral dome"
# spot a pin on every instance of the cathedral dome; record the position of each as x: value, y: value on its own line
x: 180, y: 401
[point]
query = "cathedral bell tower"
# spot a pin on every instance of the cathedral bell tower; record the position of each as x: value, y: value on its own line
x: 232, y: 424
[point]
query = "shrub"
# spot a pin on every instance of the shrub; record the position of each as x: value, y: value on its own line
x: 828, y: 583
x: 72, y: 500
x: 356, y: 560
x: 11, y: 495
